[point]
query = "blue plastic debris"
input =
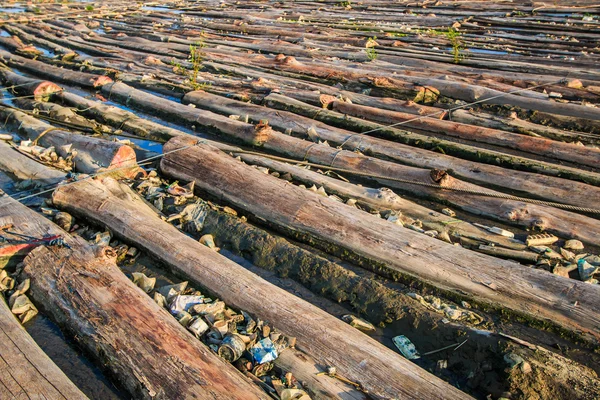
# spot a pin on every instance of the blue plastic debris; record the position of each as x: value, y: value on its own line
x: 263, y: 351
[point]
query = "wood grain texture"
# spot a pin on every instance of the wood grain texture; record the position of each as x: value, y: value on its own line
x: 383, y: 372
x: 566, y: 302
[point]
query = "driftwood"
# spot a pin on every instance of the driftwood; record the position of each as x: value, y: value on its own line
x: 93, y: 154
x: 381, y: 371
x: 536, y: 185
x: 84, y: 291
x: 27, y: 372
x: 59, y: 74
x: 385, y: 247
x: 514, y: 212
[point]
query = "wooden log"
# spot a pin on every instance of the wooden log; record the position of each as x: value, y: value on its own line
x: 40, y: 90
x: 384, y: 247
x: 93, y: 154
x: 59, y: 74
x: 535, y: 185
x: 561, y: 222
x: 513, y: 123
x: 144, y: 347
x: 380, y: 199
x: 384, y: 373
x: 471, y: 93
x: 463, y: 151
x: 540, y: 146
x: 27, y: 372
x: 23, y: 167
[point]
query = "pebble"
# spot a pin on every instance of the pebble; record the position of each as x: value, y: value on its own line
x: 573, y: 244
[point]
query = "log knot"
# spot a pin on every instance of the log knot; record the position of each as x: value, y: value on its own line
x: 437, y: 175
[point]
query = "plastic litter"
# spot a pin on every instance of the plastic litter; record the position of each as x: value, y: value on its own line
x: 406, y: 347
x: 185, y: 302
x: 263, y: 351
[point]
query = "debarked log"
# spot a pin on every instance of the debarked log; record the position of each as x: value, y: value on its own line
x: 143, y: 347
x: 92, y: 154
x: 331, y: 342
x: 384, y: 247
x: 59, y: 74
x: 564, y: 223
x: 26, y: 371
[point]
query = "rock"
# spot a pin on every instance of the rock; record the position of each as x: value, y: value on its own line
x: 64, y: 220
x: 586, y: 270
x: 513, y: 360
x: 573, y: 244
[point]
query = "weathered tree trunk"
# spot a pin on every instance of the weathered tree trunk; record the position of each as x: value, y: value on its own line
x: 40, y: 90
x: 385, y: 247
x: 144, y: 347
x: 384, y: 373
x: 536, y: 185
x: 27, y: 372
x: 93, y: 154
x: 59, y: 74
x: 540, y: 146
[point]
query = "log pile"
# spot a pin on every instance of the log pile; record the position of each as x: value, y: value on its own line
x: 430, y: 167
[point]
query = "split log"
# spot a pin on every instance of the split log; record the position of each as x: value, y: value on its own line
x: 93, y: 154
x: 384, y: 373
x: 387, y: 248
x: 540, y: 146
x: 82, y: 79
x: 144, y: 347
x: 27, y: 372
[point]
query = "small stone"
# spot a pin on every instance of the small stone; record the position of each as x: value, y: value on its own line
x: 64, y: 220
x: 448, y: 212
x: 573, y: 244
x: 525, y: 367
